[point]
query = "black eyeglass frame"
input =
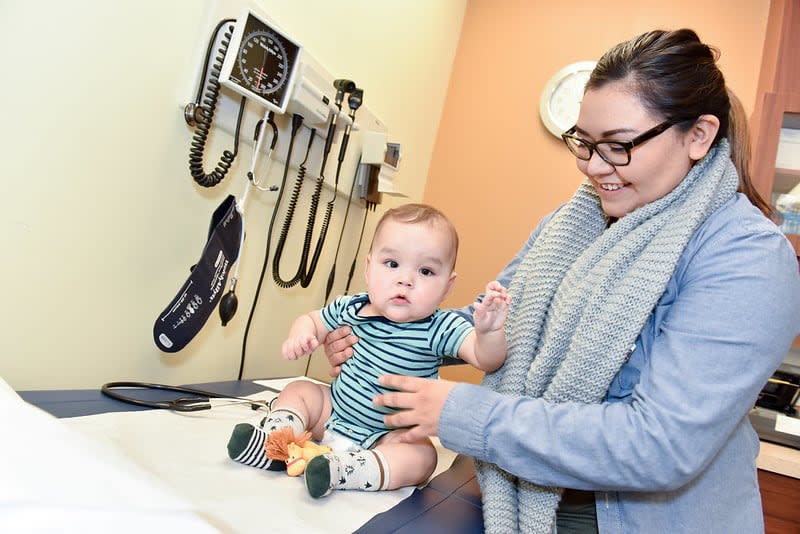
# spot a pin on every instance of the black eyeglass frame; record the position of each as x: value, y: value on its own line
x: 627, y: 145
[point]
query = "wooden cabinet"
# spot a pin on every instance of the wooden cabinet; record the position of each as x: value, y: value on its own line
x: 778, y: 97
x: 777, y: 109
x: 779, y: 497
x: 778, y: 100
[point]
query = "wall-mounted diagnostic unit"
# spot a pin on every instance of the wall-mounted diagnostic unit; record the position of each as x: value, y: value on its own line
x: 378, y: 165
x: 295, y: 94
x: 261, y: 62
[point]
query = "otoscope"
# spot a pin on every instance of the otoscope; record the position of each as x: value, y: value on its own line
x: 354, y: 102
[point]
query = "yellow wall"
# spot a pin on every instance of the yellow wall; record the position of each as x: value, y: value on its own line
x: 495, y: 169
x: 101, y: 219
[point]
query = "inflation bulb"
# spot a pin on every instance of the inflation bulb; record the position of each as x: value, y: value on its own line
x: 227, y: 306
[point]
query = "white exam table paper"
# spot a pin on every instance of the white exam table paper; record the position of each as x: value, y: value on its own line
x: 54, y: 479
x: 188, y: 453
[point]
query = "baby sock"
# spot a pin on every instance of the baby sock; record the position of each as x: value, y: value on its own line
x: 283, y: 417
x: 247, y: 442
x: 246, y: 446
x: 364, y: 470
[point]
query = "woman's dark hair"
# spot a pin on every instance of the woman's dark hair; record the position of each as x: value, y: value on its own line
x: 676, y: 76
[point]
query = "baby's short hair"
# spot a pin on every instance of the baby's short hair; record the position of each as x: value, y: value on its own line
x: 415, y: 213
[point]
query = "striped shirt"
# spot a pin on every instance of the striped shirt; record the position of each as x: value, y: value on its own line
x: 384, y: 347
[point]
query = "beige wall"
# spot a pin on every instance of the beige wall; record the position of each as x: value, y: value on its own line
x: 495, y: 169
x: 101, y: 219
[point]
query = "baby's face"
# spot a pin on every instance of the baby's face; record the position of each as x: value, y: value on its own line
x: 409, y: 270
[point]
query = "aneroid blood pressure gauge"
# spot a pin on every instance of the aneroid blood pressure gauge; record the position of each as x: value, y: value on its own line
x: 261, y: 62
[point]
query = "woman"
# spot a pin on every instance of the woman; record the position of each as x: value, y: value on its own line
x: 647, y: 314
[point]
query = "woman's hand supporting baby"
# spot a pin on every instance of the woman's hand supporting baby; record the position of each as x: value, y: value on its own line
x: 420, y: 401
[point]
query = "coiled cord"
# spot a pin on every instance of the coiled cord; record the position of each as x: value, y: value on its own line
x: 206, y: 117
x: 305, y: 270
x: 287, y: 222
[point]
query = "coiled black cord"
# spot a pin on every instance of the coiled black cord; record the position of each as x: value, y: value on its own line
x: 305, y: 270
x: 206, y: 117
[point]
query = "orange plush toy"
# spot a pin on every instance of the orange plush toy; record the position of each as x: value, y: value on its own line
x: 296, y: 451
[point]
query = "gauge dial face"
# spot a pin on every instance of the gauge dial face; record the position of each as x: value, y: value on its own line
x: 263, y: 63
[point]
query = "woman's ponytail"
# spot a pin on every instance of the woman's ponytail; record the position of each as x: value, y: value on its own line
x: 741, y: 151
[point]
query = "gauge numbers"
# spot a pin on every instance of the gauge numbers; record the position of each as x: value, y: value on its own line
x: 260, y: 62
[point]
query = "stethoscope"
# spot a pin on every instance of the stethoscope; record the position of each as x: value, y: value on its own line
x: 194, y: 400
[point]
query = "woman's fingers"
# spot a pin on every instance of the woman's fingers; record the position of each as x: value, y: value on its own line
x: 419, y: 402
x: 338, y: 346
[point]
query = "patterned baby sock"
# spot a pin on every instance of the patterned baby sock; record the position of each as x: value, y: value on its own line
x: 364, y: 470
x: 283, y: 417
x: 247, y: 442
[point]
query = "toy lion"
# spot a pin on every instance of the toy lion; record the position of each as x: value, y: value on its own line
x: 296, y: 451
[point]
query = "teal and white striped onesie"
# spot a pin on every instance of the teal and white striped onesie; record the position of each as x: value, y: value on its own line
x: 384, y: 347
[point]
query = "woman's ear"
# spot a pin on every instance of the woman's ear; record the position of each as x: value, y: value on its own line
x: 702, y: 135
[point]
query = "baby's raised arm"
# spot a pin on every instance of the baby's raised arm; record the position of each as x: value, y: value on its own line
x: 490, y: 314
x: 485, y: 348
x: 305, y: 335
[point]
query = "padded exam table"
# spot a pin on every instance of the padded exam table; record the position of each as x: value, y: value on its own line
x: 449, y: 503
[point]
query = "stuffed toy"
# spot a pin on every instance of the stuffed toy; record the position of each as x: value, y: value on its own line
x: 295, y: 451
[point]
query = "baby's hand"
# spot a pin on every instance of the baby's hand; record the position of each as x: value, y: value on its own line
x: 300, y: 345
x: 490, y: 314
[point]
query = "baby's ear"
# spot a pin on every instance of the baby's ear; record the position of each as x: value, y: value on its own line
x: 451, y: 282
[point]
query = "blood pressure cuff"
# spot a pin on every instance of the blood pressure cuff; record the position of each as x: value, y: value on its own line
x: 186, y: 314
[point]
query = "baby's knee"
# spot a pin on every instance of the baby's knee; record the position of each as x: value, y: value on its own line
x: 304, y: 391
x: 301, y: 386
x: 429, y: 458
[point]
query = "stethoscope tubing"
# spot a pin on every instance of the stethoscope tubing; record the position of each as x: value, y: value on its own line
x: 198, y: 401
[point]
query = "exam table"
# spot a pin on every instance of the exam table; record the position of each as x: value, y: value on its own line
x: 448, y: 503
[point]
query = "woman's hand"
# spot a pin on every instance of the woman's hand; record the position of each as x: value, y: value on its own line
x: 421, y: 402
x: 338, y: 348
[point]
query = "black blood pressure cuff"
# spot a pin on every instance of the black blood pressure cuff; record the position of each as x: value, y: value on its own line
x: 186, y: 314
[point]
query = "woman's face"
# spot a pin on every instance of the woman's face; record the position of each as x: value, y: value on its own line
x: 613, y: 113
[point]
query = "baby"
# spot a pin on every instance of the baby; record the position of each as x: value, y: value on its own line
x: 409, y: 271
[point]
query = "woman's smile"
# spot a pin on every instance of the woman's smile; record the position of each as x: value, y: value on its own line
x: 655, y: 167
x: 609, y: 187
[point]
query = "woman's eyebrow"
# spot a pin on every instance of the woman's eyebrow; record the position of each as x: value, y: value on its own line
x: 607, y: 133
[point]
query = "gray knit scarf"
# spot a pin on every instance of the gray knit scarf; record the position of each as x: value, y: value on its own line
x: 579, y: 282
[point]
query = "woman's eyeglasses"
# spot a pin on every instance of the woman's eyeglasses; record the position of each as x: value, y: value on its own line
x: 616, y: 153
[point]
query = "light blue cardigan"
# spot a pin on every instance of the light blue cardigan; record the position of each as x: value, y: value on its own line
x: 672, y: 448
